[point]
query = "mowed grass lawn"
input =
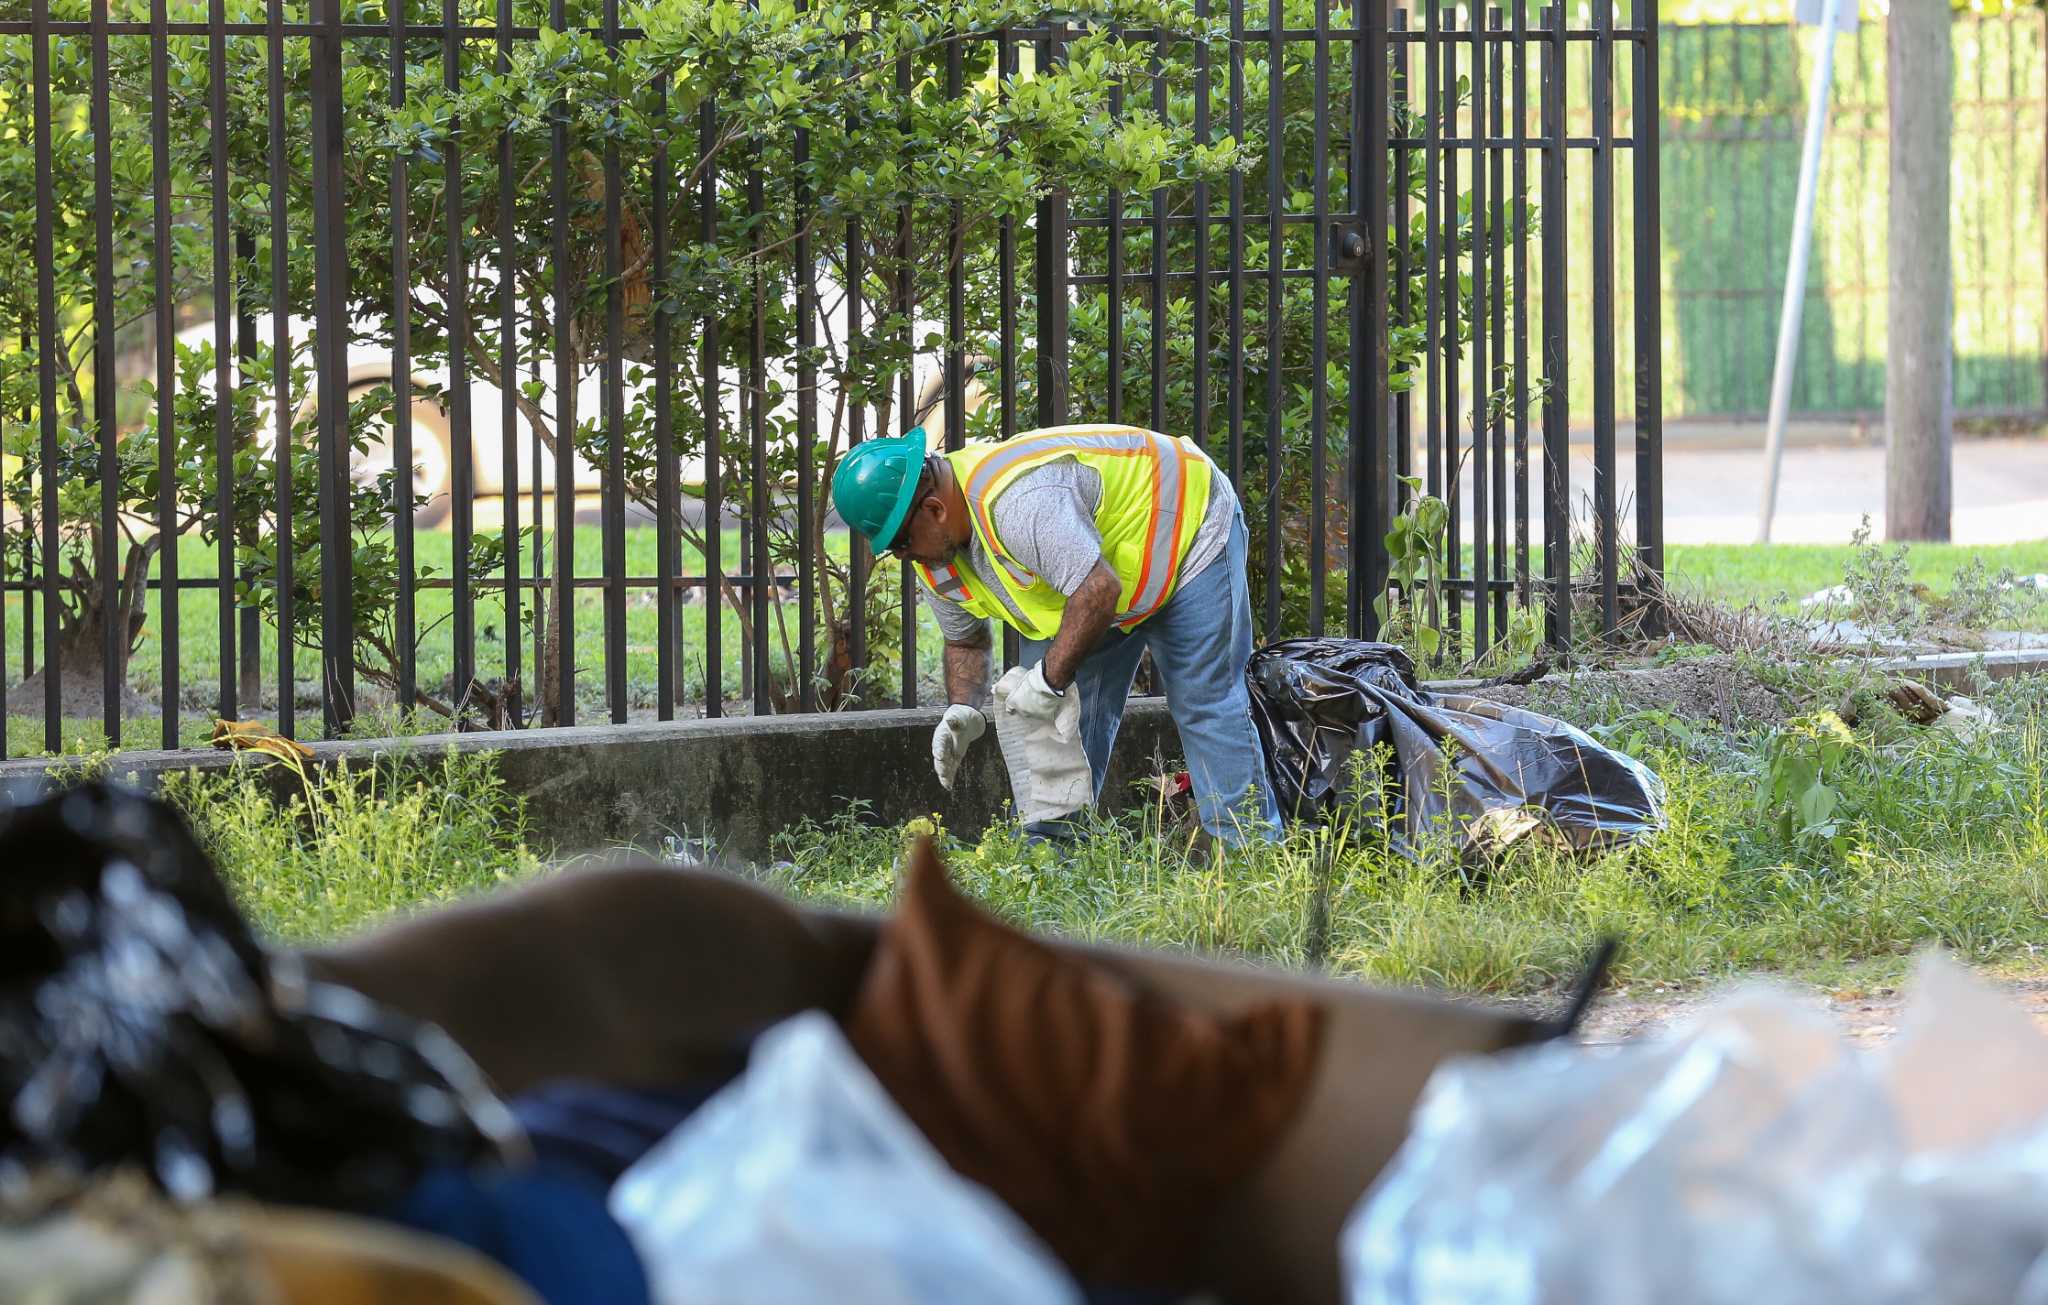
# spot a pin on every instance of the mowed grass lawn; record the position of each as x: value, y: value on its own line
x: 1768, y: 573
x: 1774, y: 575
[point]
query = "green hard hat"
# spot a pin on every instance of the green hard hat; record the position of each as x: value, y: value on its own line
x: 875, y: 482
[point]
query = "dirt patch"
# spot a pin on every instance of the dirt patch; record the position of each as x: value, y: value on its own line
x: 1723, y: 690
x: 1867, y: 1018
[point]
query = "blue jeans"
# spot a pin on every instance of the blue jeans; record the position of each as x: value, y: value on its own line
x: 1200, y: 641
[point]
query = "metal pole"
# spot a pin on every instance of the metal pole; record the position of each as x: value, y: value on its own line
x: 1795, y: 268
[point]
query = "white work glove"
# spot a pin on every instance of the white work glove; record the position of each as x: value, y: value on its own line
x: 962, y: 726
x: 1034, y: 699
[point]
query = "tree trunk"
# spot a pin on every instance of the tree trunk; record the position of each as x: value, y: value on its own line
x: 81, y: 666
x: 1918, y: 390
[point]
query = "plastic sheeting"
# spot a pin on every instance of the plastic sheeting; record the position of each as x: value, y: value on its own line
x: 1452, y: 764
x: 1757, y: 1159
x: 1049, y: 776
x: 142, y: 1024
x: 802, y: 1181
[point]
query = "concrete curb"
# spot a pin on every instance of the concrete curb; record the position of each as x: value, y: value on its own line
x: 736, y: 782
x: 741, y: 781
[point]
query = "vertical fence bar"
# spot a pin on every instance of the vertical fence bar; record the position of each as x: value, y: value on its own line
x: 668, y: 499
x: 105, y: 387
x: 1432, y: 246
x: 907, y: 384
x: 1649, y: 303
x: 1159, y: 247
x: 49, y: 342
x: 248, y: 620
x: 508, y: 388
x: 1115, y: 232
x: 1604, y: 505
x: 1497, y: 349
x: 1369, y: 460
x: 859, y: 559
x: 223, y: 351
x: 563, y: 307
x: 1367, y: 240
x: 1276, y: 299
x: 614, y: 509
x: 283, y: 405
x: 28, y: 548
x: 536, y: 332
x: 956, y: 288
x: 1400, y: 163
x: 806, y: 429
x: 162, y: 253
x: 1519, y: 23
x: 714, y: 498
x: 1557, y: 563
x: 28, y: 543
x: 1236, y: 398
x: 1451, y: 246
x: 404, y: 616
x: 462, y: 454
x: 1050, y: 274
x: 1319, y: 330
x: 762, y: 557
x: 330, y: 263
x: 1200, y: 290
x: 1482, y: 561
x: 1006, y: 308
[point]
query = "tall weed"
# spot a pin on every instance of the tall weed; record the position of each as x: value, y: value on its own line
x: 1924, y: 837
x: 354, y: 844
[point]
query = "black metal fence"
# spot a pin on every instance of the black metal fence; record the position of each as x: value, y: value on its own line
x: 1367, y: 306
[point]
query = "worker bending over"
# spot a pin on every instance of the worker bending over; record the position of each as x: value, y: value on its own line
x: 1095, y: 543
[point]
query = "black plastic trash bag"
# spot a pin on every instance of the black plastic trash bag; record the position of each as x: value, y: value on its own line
x: 1512, y: 773
x: 143, y: 1024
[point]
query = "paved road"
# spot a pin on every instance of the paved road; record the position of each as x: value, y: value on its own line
x: 1711, y: 495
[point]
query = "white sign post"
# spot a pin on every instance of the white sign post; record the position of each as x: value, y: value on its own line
x: 1831, y: 16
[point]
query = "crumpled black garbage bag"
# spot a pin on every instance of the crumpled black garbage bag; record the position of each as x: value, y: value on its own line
x: 142, y: 1023
x: 1317, y: 702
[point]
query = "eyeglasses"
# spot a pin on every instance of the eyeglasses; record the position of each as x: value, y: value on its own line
x: 902, y: 540
x: 925, y: 489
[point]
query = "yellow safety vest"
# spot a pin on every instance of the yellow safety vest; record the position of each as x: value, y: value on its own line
x: 1155, y: 492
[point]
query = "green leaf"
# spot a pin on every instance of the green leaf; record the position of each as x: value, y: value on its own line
x: 1816, y: 804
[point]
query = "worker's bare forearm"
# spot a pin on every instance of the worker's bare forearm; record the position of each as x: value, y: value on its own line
x: 967, y: 670
x: 1089, y: 612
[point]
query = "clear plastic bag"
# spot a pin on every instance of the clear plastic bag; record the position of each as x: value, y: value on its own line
x: 1049, y: 776
x: 1757, y: 1159
x: 802, y: 1181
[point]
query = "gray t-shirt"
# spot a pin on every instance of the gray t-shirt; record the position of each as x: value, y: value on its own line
x: 1046, y: 518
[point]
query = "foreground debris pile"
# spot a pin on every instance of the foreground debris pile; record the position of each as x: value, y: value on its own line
x: 649, y: 1083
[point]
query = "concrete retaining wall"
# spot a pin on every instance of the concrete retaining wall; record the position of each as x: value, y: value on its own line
x: 741, y: 780
x: 737, y: 781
